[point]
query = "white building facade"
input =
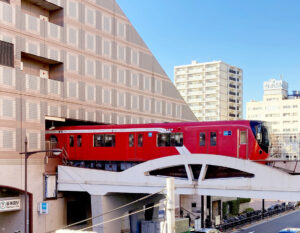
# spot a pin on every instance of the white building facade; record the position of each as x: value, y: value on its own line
x: 213, y: 90
x: 282, y: 112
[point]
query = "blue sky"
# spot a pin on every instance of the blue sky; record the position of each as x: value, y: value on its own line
x: 261, y: 37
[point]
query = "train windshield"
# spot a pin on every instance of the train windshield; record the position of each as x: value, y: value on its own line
x: 260, y: 132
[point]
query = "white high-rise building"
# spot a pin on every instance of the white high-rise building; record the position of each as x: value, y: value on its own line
x: 282, y: 112
x: 213, y: 90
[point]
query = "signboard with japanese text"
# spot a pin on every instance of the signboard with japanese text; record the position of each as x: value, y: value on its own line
x: 10, y: 204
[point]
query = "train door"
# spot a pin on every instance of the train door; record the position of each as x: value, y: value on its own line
x: 131, y: 146
x: 213, y: 141
x: 203, y: 141
x: 242, y: 142
x: 139, y: 145
x: 71, y: 146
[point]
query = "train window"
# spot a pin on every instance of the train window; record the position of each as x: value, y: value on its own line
x: 176, y: 139
x: 169, y: 139
x: 79, y: 141
x: 202, y: 139
x: 71, y: 141
x: 213, y: 138
x: 140, y: 140
x: 243, y: 137
x: 131, y: 140
x: 104, y: 140
x: 163, y: 139
x: 98, y: 140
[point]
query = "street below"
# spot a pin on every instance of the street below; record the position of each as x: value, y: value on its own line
x: 274, y: 225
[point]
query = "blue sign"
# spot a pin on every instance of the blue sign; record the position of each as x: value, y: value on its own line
x: 227, y: 133
x: 44, y: 208
x: 150, y: 135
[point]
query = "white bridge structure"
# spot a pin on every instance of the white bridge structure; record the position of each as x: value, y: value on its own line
x: 200, y: 174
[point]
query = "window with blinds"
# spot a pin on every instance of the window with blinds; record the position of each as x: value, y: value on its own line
x: 6, y: 54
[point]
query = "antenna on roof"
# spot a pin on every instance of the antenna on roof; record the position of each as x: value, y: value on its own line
x: 281, y: 77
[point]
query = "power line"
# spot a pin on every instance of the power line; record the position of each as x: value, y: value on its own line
x: 123, y: 216
x: 120, y: 207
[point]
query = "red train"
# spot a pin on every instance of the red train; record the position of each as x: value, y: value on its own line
x: 117, y: 147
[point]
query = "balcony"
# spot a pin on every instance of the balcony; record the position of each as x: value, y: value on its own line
x: 196, y: 100
x: 180, y: 80
x: 210, y: 106
x: 198, y: 85
x: 195, y: 93
x: 194, y: 71
x: 211, y: 99
x: 210, y: 76
x: 36, y: 84
x: 211, y: 114
x: 195, y: 78
x: 210, y: 69
x: 180, y: 72
x: 196, y: 108
x: 43, y: 67
x: 210, y: 84
x: 210, y: 91
x: 43, y: 10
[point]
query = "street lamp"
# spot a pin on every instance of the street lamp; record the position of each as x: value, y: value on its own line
x: 56, y: 152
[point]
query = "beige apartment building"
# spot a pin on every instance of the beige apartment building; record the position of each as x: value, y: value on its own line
x: 68, y: 62
x: 213, y: 90
x: 282, y: 112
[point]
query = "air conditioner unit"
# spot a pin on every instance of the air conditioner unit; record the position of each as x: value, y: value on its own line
x: 44, y: 73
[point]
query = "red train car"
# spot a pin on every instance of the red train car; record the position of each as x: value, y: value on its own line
x: 117, y: 147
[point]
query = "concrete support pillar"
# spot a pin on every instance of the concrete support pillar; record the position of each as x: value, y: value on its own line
x: 170, y: 205
x: 202, y: 211
x: 103, y: 204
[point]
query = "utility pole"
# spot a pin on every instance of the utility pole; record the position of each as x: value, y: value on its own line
x: 170, y: 205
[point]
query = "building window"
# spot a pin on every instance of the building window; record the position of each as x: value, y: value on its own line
x: 121, y: 76
x: 134, y: 57
x: 106, y: 23
x: 90, y: 17
x: 6, y: 54
x: 107, y: 72
x: 134, y: 80
x: 121, y: 29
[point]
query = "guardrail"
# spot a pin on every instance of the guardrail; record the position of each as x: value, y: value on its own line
x: 253, y: 216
